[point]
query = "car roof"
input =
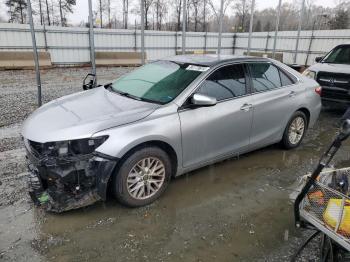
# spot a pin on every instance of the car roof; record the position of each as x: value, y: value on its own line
x: 211, y: 59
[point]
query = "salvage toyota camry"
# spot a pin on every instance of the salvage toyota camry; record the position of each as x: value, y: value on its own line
x: 162, y: 120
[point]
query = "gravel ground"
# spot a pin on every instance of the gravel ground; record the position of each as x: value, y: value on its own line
x: 237, y: 210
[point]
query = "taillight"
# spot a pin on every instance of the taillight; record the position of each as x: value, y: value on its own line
x: 318, y: 90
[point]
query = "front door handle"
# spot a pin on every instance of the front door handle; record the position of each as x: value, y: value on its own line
x: 246, y: 107
x: 292, y: 94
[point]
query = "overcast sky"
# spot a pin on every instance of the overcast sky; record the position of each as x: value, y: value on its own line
x: 81, y: 9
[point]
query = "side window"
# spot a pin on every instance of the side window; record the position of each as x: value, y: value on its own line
x: 265, y: 76
x: 224, y: 83
x: 285, y: 79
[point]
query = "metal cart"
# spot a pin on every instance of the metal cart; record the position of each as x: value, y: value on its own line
x: 323, y: 204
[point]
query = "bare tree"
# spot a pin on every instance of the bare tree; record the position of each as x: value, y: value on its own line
x: 65, y: 6
x: 48, y: 12
x: 177, y: 5
x: 41, y: 12
x: 216, y: 10
x: 195, y: 6
x: 101, y: 10
x: 125, y: 13
x: 242, y: 8
x: 147, y: 4
x: 17, y: 10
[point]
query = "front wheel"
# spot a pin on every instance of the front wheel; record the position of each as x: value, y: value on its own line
x: 295, y: 130
x: 142, y: 177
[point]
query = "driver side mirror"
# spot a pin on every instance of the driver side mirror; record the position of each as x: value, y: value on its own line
x: 318, y: 59
x: 89, y: 82
x: 200, y: 100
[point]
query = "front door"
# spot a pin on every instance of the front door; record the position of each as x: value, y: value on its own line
x: 212, y: 132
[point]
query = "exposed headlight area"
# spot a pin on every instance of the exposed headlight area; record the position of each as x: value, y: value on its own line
x: 67, y: 174
x: 66, y: 148
x: 309, y: 73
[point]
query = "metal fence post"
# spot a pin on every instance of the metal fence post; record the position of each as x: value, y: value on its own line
x: 234, y: 43
x: 35, y: 51
x: 175, y: 46
x: 205, y: 26
x: 299, y: 29
x: 276, y: 28
x: 135, y: 38
x: 251, y: 27
x: 310, y: 43
x: 91, y: 39
x: 45, y: 39
x: 184, y: 27
x: 142, y: 32
x: 267, y: 42
x: 220, y: 25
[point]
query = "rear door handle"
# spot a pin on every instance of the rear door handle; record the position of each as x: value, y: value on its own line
x: 292, y: 94
x: 246, y: 107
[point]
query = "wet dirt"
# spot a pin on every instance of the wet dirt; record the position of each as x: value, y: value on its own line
x: 235, y: 210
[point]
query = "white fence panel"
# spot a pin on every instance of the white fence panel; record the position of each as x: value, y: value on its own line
x: 69, y: 45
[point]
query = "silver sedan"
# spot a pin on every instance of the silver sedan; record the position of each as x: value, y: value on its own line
x: 162, y: 120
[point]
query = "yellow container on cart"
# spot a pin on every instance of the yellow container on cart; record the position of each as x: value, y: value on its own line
x: 336, y: 214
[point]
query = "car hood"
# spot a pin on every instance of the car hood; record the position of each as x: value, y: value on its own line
x: 82, y: 114
x: 332, y: 68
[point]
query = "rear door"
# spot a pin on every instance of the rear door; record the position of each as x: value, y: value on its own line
x: 274, y: 101
x: 212, y: 132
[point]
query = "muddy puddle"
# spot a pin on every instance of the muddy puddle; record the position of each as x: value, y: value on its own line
x: 236, y: 210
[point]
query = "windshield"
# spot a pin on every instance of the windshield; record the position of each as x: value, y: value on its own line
x: 340, y: 55
x: 158, y: 82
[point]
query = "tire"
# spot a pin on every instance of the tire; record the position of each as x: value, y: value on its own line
x: 287, y: 141
x: 135, y: 174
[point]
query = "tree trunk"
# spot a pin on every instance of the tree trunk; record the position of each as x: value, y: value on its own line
x: 125, y: 13
x: 101, y: 13
x: 21, y: 9
x: 179, y: 16
x: 157, y: 14
x: 61, y: 13
x: 195, y: 18
x: 146, y: 15
x: 48, y: 12
x: 109, y: 13
x: 41, y: 13
x: 204, y: 16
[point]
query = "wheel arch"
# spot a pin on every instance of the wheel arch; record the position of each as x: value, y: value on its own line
x: 166, y: 147
x: 306, y: 112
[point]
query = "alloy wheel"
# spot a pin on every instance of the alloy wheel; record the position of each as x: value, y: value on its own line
x: 296, y: 130
x: 145, y: 178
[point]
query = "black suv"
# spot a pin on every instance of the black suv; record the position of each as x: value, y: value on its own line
x: 332, y: 72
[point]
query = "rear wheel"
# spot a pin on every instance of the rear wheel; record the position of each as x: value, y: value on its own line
x: 142, y: 177
x: 295, y: 130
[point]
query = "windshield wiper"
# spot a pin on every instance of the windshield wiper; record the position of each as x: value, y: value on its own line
x: 130, y: 95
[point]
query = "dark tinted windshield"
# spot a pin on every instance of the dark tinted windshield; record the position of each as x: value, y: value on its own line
x: 159, y: 82
x: 340, y: 55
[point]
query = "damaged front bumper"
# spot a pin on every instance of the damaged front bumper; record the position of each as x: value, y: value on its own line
x: 63, y: 183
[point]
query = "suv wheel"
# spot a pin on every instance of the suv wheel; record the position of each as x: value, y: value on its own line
x: 142, y: 177
x: 295, y: 130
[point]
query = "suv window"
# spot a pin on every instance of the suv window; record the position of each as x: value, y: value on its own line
x: 225, y: 83
x: 339, y: 55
